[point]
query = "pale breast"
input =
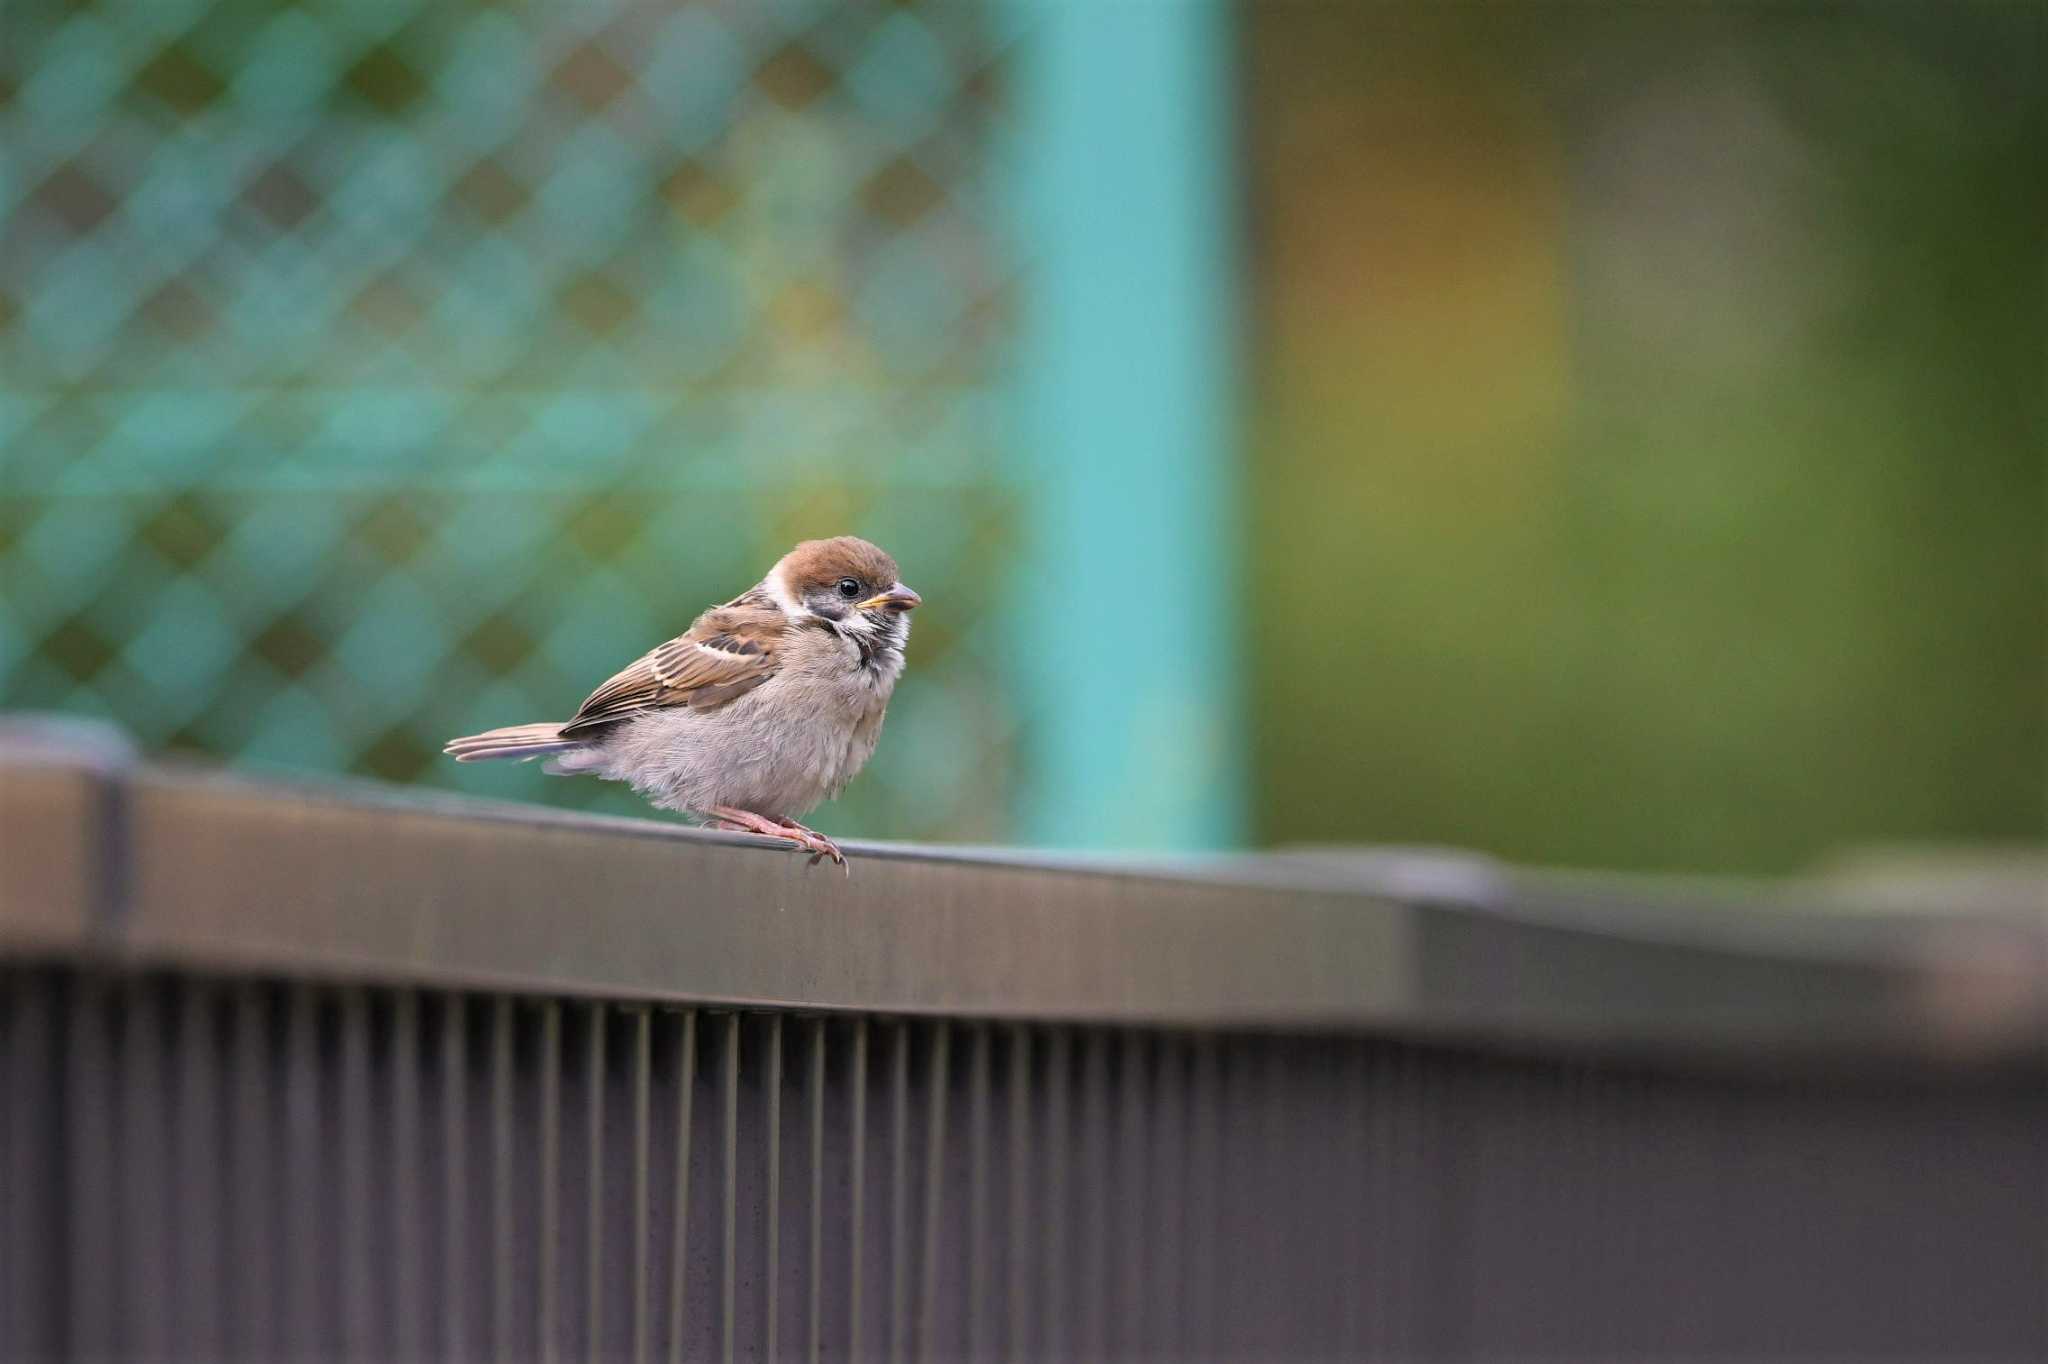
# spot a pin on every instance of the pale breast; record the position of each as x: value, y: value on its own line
x: 780, y: 750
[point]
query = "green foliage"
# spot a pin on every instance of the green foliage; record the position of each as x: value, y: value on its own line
x: 1664, y: 487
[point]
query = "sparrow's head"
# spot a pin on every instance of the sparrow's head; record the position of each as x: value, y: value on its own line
x: 844, y: 580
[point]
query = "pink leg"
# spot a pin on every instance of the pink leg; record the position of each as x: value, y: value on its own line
x: 796, y: 835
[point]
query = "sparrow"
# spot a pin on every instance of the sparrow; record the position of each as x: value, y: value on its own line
x: 763, y: 708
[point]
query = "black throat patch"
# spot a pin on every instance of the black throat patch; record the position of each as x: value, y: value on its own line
x: 884, y: 642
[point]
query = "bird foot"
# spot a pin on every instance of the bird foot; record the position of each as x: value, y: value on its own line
x: 788, y: 830
x: 821, y: 846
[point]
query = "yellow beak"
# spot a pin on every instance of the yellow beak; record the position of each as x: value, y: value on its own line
x: 897, y: 598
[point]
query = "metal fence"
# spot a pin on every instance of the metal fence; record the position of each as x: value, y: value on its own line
x: 323, y: 1074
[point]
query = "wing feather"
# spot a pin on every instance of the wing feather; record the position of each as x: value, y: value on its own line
x: 728, y: 652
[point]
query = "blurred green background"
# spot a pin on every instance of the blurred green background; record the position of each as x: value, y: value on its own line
x: 1650, y: 443
x: 1609, y: 435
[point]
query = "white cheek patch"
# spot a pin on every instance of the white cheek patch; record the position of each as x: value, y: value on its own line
x: 779, y: 593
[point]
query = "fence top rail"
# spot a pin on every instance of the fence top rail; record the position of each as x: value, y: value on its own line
x: 107, y: 858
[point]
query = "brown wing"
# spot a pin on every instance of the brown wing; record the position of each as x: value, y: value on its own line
x: 728, y: 652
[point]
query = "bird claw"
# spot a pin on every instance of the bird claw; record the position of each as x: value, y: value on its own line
x: 788, y: 830
x: 820, y: 846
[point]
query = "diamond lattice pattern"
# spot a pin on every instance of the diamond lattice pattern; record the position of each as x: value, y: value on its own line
x: 376, y: 372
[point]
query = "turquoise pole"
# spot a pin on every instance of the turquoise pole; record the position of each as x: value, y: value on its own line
x: 1135, y: 617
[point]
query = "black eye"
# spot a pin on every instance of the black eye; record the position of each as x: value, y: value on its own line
x: 849, y: 588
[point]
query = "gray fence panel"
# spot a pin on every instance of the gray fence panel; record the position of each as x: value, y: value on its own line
x: 1345, y: 1197
x: 299, y: 1075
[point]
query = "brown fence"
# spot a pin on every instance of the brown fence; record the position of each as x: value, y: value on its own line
x: 326, y: 1073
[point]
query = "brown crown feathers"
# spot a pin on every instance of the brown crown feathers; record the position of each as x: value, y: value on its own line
x: 821, y: 563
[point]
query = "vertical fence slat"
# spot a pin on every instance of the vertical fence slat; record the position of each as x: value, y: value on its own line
x: 899, y: 1193
x: 814, y: 1308
x: 547, y: 1297
x: 1355, y: 1151
x: 18, y: 1161
x: 455, y: 1273
x: 643, y: 1072
x: 679, y: 1236
x: 1276, y: 1146
x: 1021, y: 1214
x: 1205, y: 1219
x: 1391, y: 1184
x: 596, y: 1016
x: 91, y: 1124
x: 36, y: 1203
x: 251, y: 1151
x: 1096, y: 1162
x: 504, y: 1325
x: 146, y: 1229
x: 406, y: 1258
x: 358, y: 1200
x: 1129, y: 1313
x: 198, y: 1192
x: 772, y: 1229
x: 857, y: 1187
x: 1053, y: 1335
x: 1411, y: 1167
x: 934, y: 1194
x: 1168, y: 1200
x: 729, y: 1220
x: 305, y: 1215
x: 978, y: 1268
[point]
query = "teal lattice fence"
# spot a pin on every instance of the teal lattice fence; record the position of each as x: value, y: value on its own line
x: 376, y: 372
x: 373, y: 372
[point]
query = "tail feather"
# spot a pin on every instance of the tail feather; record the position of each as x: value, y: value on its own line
x: 514, y: 741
